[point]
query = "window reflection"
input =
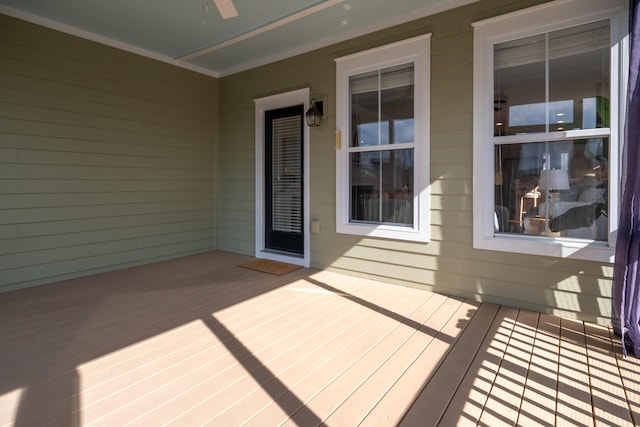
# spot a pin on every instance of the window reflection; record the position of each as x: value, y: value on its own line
x: 380, y: 133
x: 555, y: 189
x: 382, y: 115
x: 382, y: 186
x: 559, y: 112
x: 552, y: 82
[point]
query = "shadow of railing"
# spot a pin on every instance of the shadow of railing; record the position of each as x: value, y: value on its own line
x: 388, y: 313
x: 269, y: 382
x: 527, y: 373
x: 56, y: 329
x: 491, y: 341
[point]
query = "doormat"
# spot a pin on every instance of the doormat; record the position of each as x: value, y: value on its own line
x: 269, y: 266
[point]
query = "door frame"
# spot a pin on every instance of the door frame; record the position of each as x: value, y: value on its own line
x: 274, y: 102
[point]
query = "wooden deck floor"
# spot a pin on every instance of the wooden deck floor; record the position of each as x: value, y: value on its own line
x: 201, y: 341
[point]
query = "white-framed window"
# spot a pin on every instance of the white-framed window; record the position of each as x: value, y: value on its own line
x: 382, y: 141
x: 548, y: 88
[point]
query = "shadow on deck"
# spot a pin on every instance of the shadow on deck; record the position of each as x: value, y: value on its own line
x: 200, y: 341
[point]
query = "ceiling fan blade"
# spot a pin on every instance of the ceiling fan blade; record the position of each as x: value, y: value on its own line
x: 226, y: 8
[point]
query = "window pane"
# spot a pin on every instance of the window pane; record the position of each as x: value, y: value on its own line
x: 519, y: 86
x: 555, y: 188
x: 579, y: 75
x: 365, y: 125
x: 397, y: 102
x: 577, y: 82
x: 382, y: 187
x: 382, y: 106
x: 365, y: 186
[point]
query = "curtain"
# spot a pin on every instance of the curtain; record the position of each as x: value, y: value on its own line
x: 626, y: 277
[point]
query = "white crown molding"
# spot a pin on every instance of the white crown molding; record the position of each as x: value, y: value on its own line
x: 58, y: 26
x: 261, y: 30
x: 432, y: 9
x: 439, y: 6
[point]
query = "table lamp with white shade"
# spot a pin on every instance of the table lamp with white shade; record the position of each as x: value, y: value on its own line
x: 552, y: 181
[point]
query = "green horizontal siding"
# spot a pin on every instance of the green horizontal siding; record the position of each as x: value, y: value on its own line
x: 448, y: 263
x: 107, y: 159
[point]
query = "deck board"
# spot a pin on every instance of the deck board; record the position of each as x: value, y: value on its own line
x: 465, y: 407
x: 574, y: 393
x: 503, y: 403
x: 434, y: 399
x: 540, y: 392
x: 608, y: 398
x: 201, y: 341
x: 629, y: 368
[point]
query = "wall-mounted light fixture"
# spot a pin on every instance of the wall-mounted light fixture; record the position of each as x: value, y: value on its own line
x: 314, y: 113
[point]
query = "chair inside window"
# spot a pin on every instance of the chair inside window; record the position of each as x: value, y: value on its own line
x: 527, y: 195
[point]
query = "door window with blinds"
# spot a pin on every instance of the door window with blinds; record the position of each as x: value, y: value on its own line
x: 383, y: 158
x: 286, y: 176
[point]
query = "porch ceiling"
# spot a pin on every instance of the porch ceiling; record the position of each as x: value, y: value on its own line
x: 189, y: 34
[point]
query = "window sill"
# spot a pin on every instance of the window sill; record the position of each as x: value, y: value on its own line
x: 385, y: 231
x: 558, y: 247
